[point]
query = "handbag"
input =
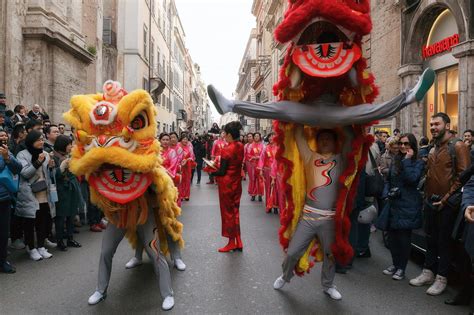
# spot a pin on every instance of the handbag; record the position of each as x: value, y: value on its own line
x: 383, y: 221
x: 9, y: 180
x: 368, y: 215
x: 374, y: 184
x: 38, y: 186
x: 53, y: 191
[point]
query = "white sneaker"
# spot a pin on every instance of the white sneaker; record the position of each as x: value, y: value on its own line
x: 34, y: 255
x: 96, y: 298
x: 279, y: 283
x: 44, y: 253
x: 18, y: 244
x: 333, y: 293
x: 179, y: 264
x: 50, y: 244
x: 426, y: 277
x: 438, y: 286
x: 134, y: 262
x: 168, y: 303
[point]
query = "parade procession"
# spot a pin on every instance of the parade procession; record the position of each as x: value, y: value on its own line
x: 339, y: 149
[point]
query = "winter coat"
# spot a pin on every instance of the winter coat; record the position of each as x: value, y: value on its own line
x: 69, y: 190
x: 405, y: 210
x: 385, y: 162
x: 468, y: 200
x: 27, y: 204
x: 15, y: 167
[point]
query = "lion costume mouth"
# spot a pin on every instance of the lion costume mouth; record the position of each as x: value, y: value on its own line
x: 119, y: 184
x: 325, y: 50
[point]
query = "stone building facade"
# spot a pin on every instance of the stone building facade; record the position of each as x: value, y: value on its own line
x: 44, y: 55
x: 425, y: 33
x: 258, y: 74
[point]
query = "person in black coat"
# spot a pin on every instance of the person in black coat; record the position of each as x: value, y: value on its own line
x: 465, y: 257
x: 199, y: 153
x: 404, y: 204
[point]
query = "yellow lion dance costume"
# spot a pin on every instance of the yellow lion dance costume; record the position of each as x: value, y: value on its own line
x: 118, y: 153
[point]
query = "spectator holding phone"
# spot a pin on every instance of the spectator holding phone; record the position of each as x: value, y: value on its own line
x: 34, y: 203
x: 8, y: 163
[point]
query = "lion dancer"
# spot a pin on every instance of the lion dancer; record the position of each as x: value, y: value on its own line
x: 117, y: 152
x: 171, y: 164
x: 255, y: 149
x: 264, y: 168
x: 325, y: 93
x: 322, y: 171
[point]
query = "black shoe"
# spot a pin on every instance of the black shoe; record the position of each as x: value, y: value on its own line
x: 275, y: 210
x: 76, y: 231
x: 198, y: 183
x: 364, y: 254
x: 6, y: 267
x: 61, y: 246
x: 253, y: 198
x: 462, y: 298
x: 260, y: 198
x: 73, y: 243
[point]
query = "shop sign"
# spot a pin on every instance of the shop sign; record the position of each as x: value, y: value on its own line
x: 441, y: 46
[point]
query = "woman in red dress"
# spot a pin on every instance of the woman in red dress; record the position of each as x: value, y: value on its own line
x: 229, y: 183
x: 179, y: 154
x: 264, y: 168
x: 246, y: 164
x: 187, y: 164
x: 170, y: 159
x: 255, y: 180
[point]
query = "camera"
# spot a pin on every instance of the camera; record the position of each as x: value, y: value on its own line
x: 435, y: 198
x: 3, y: 142
x: 394, y: 193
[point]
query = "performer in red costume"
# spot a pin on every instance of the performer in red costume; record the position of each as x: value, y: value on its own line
x: 229, y: 183
x: 276, y: 174
x: 264, y: 167
x: 246, y: 163
x: 255, y: 150
x: 187, y: 163
x: 179, y: 154
x: 170, y: 158
x: 217, y: 147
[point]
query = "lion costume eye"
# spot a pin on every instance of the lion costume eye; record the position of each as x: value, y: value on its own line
x: 140, y: 121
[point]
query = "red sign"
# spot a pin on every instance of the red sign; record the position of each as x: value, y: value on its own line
x: 441, y: 46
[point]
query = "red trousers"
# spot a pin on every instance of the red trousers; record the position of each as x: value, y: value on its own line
x: 256, y: 182
x: 271, y: 197
x: 230, y: 191
x: 185, y: 186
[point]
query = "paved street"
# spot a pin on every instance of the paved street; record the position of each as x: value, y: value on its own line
x: 214, y: 283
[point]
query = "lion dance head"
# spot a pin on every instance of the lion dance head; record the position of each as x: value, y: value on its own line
x: 116, y: 150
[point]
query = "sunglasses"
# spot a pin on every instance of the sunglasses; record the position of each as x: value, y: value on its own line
x: 407, y: 144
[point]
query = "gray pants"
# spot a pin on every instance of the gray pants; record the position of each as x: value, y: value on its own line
x: 312, y: 225
x: 112, y: 238
x: 175, y: 251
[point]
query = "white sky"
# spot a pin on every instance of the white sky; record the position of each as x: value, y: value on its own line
x: 216, y: 36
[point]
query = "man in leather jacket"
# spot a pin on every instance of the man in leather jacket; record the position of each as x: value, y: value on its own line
x: 446, y: 161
